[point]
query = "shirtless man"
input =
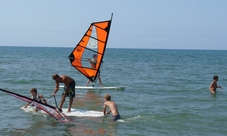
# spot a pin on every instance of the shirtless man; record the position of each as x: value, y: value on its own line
x: 69, y: 89
x: 213, y: 85
x: 112, y: 107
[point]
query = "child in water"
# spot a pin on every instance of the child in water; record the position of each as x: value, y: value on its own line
x: 36, y: 97
x: 213, y: 85
x: 112, y: 107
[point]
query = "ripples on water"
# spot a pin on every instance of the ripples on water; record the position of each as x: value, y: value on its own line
x: 166, y: 92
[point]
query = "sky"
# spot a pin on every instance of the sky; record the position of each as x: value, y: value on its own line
x: 146, y: 24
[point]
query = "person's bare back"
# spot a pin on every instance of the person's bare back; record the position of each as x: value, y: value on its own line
x: 112, y: 106
x: 213, y: 87
x: 66, y: 80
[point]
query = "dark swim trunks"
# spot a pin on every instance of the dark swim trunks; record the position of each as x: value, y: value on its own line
x: 71, y: 91
x: 115, y: 118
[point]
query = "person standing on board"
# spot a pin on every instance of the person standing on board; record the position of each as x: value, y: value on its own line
x: 36, y: 97
x: 69, y: 89
x: 112, y: 107
x: 213, y: 85
x: 93, y: 63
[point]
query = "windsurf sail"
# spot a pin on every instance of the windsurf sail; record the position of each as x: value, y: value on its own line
x: 93, y: 43
x: 49, y: 109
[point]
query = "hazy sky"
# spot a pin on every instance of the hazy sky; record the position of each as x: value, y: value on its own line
x: 153, y: 24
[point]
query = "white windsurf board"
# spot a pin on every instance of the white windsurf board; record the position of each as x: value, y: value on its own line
x: 82, y: 113
x: 74, y: 112
x: 31, y: 110
x: 98, y: 88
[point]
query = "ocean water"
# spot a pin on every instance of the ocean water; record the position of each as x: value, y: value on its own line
x: 166, y: 92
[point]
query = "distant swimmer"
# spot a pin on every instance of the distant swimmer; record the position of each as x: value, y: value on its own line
x: 69, y: 89
x: 213, y: 85
x: 112, y: 107
x: 93, y: 63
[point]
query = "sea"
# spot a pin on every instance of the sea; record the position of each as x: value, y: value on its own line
x: 166, y: 92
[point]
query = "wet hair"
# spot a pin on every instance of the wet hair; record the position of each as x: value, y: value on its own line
x: 107, y: 97
x: 215, y: 77
x: 33, y: 90
x: 55, y: 76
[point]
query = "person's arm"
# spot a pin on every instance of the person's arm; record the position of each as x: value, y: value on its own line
x: 42, y: 98
x: 104, y: 110
x: 108, y: 112
x: 67, y: 89
x: 220, y: 87
x: 56, y: 88
x: 89, y: 60
x: 26, y: 105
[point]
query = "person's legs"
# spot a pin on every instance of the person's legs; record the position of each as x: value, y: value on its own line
x: 88, y: 82
x: 62, y: 101
x: 70, y: 104
x: 100, y: 81
x: 71, y: 94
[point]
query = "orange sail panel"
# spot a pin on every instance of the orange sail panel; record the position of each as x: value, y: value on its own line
x: 88, y: 54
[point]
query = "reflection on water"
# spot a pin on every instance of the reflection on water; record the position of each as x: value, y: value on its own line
x: 41, y: 127
x: 93, y: 126
x: 91, y: 100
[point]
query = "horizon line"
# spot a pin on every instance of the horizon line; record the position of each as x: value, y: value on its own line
x: 108, y: 47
